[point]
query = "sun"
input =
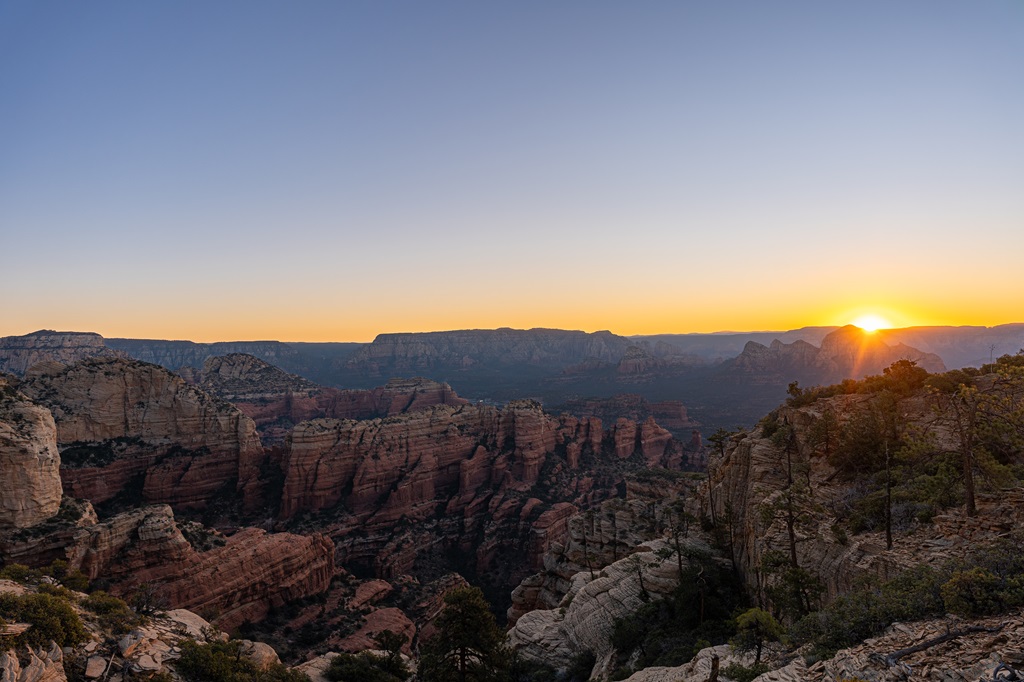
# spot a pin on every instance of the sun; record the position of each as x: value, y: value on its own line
x: 872, y: 323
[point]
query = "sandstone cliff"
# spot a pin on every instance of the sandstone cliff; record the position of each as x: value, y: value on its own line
x: 236, y: 580
x: 18, y: 353
x: 585, y: 617
x: 748, y: 479
x: 176, y: 354
x: 587, y: 541
x: 30, y: 487
x: 493, y: 486
x: 121, y: 421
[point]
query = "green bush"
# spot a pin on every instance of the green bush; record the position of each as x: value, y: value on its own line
x: 114, y: 614
x: 19, y: 573
x: 51, y: 618
x: 71, y: 578
x: 973, y: 592
x: 362, y: 667
x: 223, y: 662
x: 744, y: 673
x: 581, y: 665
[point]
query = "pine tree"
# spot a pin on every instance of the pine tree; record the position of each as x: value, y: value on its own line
x: 468, y: 646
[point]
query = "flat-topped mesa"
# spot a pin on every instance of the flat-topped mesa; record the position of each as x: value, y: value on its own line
x: 119, y: 420
x: 30, y: 487
x: 416, y: 352
x: 18, y: 353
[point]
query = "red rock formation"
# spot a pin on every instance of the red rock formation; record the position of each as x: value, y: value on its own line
x: 276, y: 400
x: 624, y: 435
x: 30, y: 488
x: 377, y: 621
x: 120, y: 419
x: 472, y: 479
x: 397, y: 467
x: 240, y: 580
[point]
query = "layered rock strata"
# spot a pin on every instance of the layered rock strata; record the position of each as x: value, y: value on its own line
x: 18, y: 353
x: 277, y: 400
x: 601, y: 536
x: 496, y: 485
x: 239, y: 580
x: 585, y: 617
x: 120, y: 421
x: 30, y: 486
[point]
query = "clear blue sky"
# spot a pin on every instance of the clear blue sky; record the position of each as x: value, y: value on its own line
x: 331, y: 170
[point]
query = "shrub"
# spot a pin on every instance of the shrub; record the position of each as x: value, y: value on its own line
x: 581, y: 665
x: 361, y: 667
x: 744, y: 673
x: 863, y: 613
x: 71, y: 578
x: 114, y: 614
x: 979, y: 592
x: 19, y: 573
x: 223, y: 662
x: 51, y: 617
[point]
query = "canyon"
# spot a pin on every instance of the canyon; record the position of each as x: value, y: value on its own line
x: 432, y: 486
x: 313, y: 517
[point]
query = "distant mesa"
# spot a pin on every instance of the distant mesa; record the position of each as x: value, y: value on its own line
x: 18, y: 353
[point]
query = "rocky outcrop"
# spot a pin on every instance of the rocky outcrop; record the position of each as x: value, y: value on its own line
x: 122, y: 423
x: 240, y: 377
x: 637, y: 361
x: 494, y: 486
x: 30, y: 487
x: 18, y: 353
x: 586, y: 616
x: 237, y: 580
x: 846, y: 353
x: 44, y: 665
x: 698, y: 670
x: 403, y: 466
x: 277, y: 401
x: 242, y: 580
x: 600, y: 536
x: 749, y: 477
x: 151, y: 647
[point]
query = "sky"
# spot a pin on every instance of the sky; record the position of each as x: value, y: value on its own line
x: 328, y: 171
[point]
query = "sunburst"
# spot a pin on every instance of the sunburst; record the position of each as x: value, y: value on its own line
x: 872, y: 323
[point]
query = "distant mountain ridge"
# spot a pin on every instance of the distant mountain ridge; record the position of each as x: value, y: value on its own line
x: 846, y: 353
x: 722, y: 379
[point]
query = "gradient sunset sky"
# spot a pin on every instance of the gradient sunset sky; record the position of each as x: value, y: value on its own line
x: 326, y: 171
